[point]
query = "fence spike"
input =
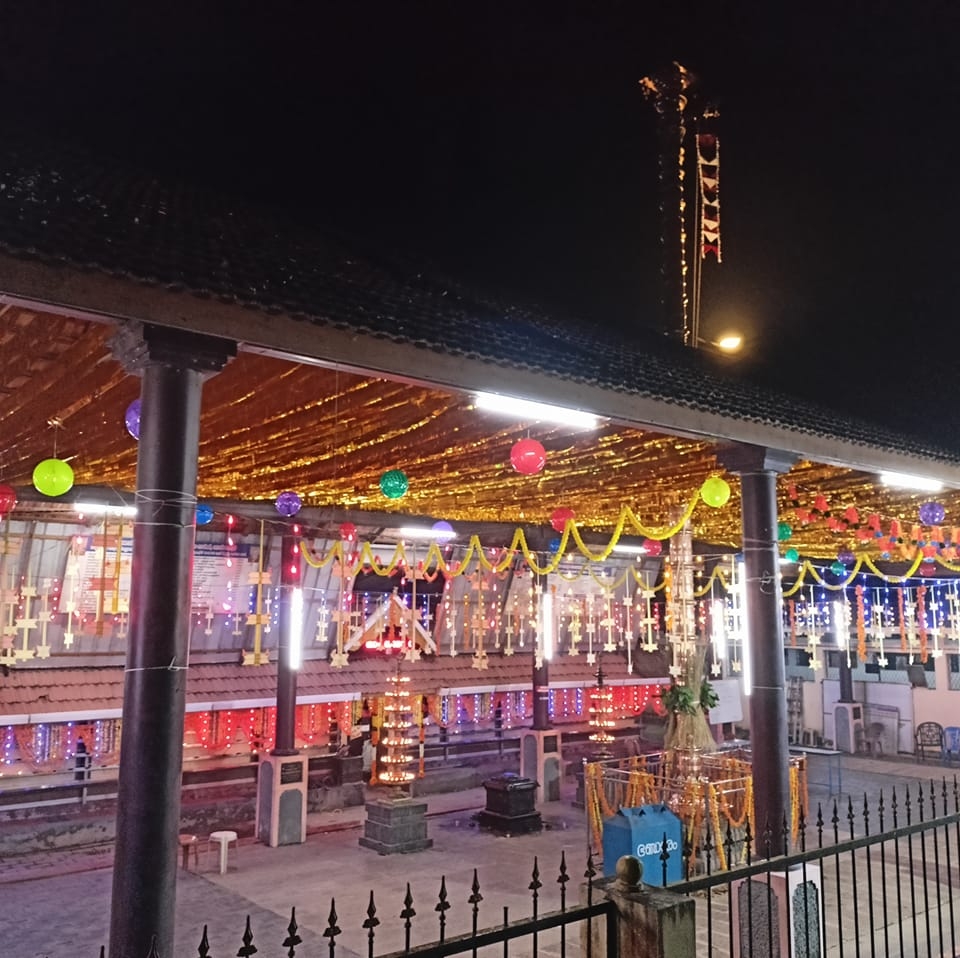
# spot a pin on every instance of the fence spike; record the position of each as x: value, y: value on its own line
x: 820, y: 824
x: 371, y: 923
x: 893, y: 804
x: 475, y: 896
x: 562, y: 880
x: 748, y: 841
x: 442, y: 905
x: 802, y: 828
x: 933, y: 800
x: 708, y: 849
x: 920, y: 801
x: 103, y: 951
x: 249, y: 948
x: 728, y: 844
x: 785, y: 832
x: 766, y: 839
x: 407, y: 914
x: 943, y: 797
x: 292, y: 939
x: 881, y: 808
x: 907, y: 806
x: 535, y: 883
x: 851, y: 817
x: 866, y: 815
x: 203, y: 949
x: 332, y: 929
x: 153, y: 952
x: 591, y: 867
x: 956, y: 793
x: 835, y: 821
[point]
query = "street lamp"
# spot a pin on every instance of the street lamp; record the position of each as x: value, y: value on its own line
x: 728, y: 343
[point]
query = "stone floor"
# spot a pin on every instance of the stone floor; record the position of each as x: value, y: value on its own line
x: 57, y: 903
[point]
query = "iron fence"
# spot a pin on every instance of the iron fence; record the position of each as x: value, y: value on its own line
x: 556, y: 932
x: 874, y: 882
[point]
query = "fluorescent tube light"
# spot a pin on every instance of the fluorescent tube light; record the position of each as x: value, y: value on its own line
x: 629, y: 550
x: 101, y: 509
x: 423, y: 532
x: 538, y: 411
x: 295, y: 636
x: 902, y: 480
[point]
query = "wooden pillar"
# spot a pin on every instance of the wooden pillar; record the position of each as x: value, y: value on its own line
x: 173, y: 365
x: 758, y: 469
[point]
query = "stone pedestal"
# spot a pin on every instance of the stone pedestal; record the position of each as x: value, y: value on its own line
x: 510, y: 808
x: 541, y: 761
x: 789, y: 906
x: 395, y: 826
x: 282, y: 800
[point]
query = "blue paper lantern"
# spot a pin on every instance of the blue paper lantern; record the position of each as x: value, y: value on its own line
x: 204, y: 514
x: 132, y: 419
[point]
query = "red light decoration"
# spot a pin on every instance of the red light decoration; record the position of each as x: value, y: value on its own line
x: 8, y: 499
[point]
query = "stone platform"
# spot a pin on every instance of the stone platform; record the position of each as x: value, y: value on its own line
x: 395, y: 825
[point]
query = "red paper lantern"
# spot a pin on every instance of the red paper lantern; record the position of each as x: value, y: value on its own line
x: 528, y: 456
x: 8, y: 499
x: 561, y: 517
x: 652, y: 547
x: 348, y: 532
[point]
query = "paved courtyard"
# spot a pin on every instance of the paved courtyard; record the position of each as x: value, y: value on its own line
x: 57, y: 903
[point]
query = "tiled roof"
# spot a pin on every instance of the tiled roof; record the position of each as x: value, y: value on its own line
x: 64, y: 208
x: 99, y: 691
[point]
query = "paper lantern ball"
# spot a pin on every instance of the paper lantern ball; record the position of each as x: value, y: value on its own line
x: 846, y: 557
x: 553, y: 545
x: 53, y: 477
x: 652, y: 547
x: 288, y: 504
x: 442, y: 531
x: 715, y: 492
x: 528, y: 457
x: 932, y: 513
x: 394, y: 483
x: 792, y: 555
x: 8, y: 499
x: 927, y: 568
x: 132, y: 419
x: 784, y: 531
x: 204, y: 514
x: 560, y: 517
x: 348, y: 532
x: 837, y: 567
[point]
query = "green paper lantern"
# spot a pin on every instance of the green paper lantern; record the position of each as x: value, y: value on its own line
x: 784, y: 531
x: 792, y: 555
x: 394, y: 484
x: 715, y: 492
x: 838, y: 568
x: 53, y: 477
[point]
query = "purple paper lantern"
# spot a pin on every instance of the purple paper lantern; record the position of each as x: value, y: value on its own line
x: 932, y: 513
x: 846, y: 557
x: 443, y: 531
x: 132, y: 419
x: 288, y: 504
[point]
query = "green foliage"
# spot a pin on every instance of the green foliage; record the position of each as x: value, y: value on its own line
x: 681, y: 698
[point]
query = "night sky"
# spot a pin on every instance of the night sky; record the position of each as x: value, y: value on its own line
x: 509, y: 144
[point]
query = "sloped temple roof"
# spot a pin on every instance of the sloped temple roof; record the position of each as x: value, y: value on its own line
x: 378, y: 362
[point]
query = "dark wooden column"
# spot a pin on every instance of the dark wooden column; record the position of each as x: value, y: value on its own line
x: 290, y: 566
x: 758, y: 468
x: 172, y: 365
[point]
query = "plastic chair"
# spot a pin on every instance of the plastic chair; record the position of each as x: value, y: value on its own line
x: 223, y: 839
x: 873, y: 739
x: 930, y: 739
x: 951, y: 746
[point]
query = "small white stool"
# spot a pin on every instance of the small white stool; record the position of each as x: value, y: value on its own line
x: 223, y: 839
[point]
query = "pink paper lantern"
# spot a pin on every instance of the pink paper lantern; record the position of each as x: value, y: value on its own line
x: 652, y: 547
x: 528, y: 457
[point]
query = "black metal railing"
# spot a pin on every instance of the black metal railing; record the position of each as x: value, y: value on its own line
x: 878, y: 882
x: 548, y: 932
